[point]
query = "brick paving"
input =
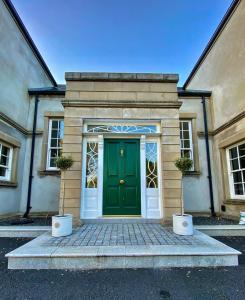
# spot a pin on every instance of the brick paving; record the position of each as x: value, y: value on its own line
x: 130, y: 234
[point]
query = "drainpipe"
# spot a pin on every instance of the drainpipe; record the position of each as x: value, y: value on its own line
x: 28, y: 204
x: 208, y: 158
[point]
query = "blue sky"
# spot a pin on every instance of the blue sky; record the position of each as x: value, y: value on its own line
x: 164, y: 36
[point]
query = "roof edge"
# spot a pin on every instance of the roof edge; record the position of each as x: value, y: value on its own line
x: 193, y: 93
x: 59, y: 90
x: 212, y: 40
x: 29, y: 40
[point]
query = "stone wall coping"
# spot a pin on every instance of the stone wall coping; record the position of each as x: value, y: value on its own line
x: 128, y: 77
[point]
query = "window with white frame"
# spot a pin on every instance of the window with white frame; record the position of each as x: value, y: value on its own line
x: 186, y: 143
x: 92, y: 165
x: 236, y: 168
x: 6, y: 153
x: 151, y: 165
x: 55, y: 136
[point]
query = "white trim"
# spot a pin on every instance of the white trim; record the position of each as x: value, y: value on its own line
x: 92, y: 199
x: 118, y: 123
x: 143, y: 176
x: 153, y: 195
x: 230, y: 177
x: 8, y: 167
x: 89, y: 196
x: 49, y: 143
x: 191, y: 141
x: 100, y: 174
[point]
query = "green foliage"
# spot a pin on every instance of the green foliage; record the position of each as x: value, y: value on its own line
x: 64, y: 163
x: 184, y: 164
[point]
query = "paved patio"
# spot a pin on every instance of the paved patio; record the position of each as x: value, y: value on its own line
x: 122, y: 235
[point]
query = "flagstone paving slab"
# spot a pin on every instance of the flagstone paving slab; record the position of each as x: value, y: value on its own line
x: 123, y: 235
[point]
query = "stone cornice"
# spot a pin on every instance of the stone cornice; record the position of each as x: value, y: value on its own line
x: 121, y: 104
x: 229, y: 123
x: 16, y: 125
x: 128, y: 77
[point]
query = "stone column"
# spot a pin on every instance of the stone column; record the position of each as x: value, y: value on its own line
x: 72, y: 146
x: 170, y: 143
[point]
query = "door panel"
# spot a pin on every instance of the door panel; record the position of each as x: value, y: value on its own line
x: 121, y: 163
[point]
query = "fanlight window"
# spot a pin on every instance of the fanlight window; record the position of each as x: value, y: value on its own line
x: 151, y: 165
x: 123, y: 128
x: 92, y: 165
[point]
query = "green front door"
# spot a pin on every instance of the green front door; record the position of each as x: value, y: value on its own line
x: 121, y: 188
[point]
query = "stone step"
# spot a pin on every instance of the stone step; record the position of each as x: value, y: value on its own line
x: 38, y: 254
x: 23, y: 231
x: 120, y: 220
x: 222, y: 230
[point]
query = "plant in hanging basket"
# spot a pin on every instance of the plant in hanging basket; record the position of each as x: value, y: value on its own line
x: 64, y: 163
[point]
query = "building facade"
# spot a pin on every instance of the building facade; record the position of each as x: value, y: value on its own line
x: 221, y: 69
x: 123, y: 130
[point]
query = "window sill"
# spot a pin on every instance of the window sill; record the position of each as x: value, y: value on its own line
x: 192, y: 173
x: 235, y: 201
x: 8, y: 184
x: 49, y: 172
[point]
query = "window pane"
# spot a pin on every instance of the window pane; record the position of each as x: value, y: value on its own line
x: 54, y: 133
x: 185, y: 126
x: 238, y: 189
x: 186, y: 135
x: 91, y: 165
x: 151, y: 165
x: 187, y: 144
x: 62, y: 128
x: 53, y: 143
x: 233, y: 152
x: 241, y: 150
x: 186, y: 153
x: 237, y: 177
x: 55, y: 124
x: 52, y: 162
x: 242, y: 162
x: 4, y: 161
x: 59, y: 143
x: 5, y: 150
x: 2, y: 172
x: 234, y: 164
x: 53, y: 153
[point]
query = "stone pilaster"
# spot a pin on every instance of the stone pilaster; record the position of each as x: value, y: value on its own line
x: 171, y: 187
x: 72, y: 146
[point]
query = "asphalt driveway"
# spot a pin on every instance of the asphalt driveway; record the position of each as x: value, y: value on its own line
x: 175, y: 283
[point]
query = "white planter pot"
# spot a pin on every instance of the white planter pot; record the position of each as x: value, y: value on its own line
x: 242, y: 218
x: 182, y: 225
x: 61, y: 225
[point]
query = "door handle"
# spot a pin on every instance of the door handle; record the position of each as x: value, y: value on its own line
x: 121, y: 181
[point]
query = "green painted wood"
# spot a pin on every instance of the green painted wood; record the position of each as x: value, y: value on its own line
x: 121, y: 162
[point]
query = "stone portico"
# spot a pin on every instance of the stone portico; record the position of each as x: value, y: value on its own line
x: 149, y: 100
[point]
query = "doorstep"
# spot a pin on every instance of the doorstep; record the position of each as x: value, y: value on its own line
x: 123, y: 219
x: 222, y: 230
x: 23, y: 231
x: 107, y: 246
